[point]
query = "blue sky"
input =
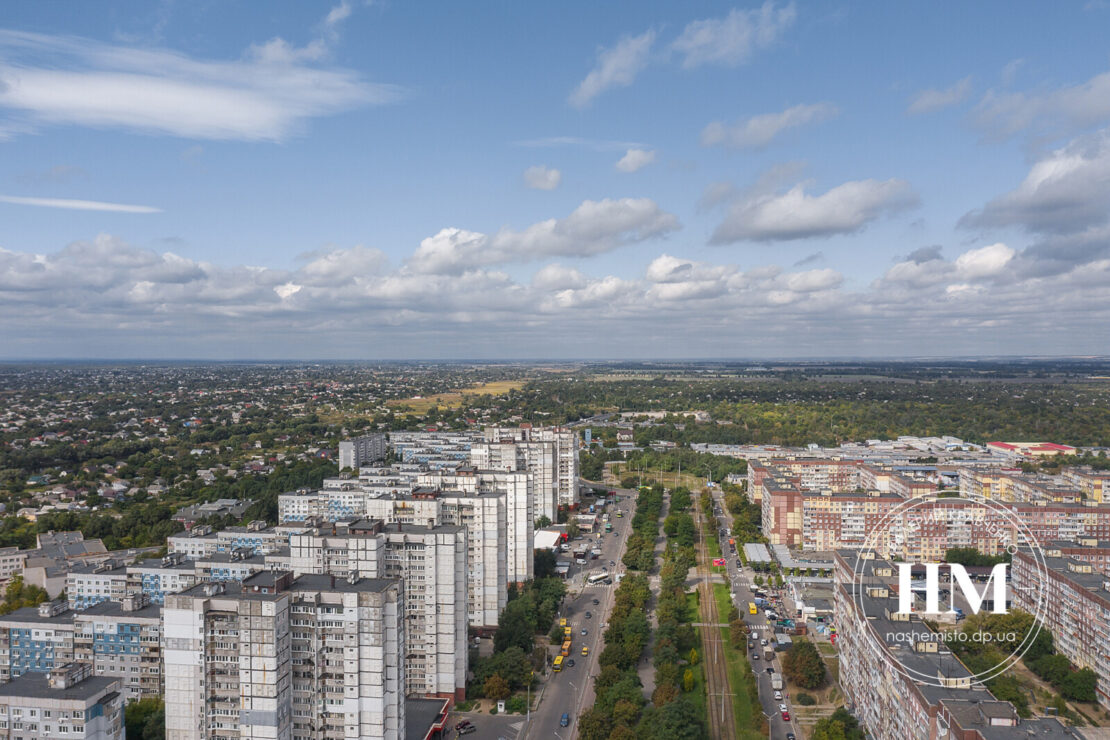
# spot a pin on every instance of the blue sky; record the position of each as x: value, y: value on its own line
x: 388, y: 180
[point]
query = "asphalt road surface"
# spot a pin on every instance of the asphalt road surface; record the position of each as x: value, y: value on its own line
x: 571, y: 690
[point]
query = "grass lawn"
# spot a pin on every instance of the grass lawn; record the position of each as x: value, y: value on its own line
x: 670, y: 479
x: 746, y: 708
x: 698, y: 697
x: 714, y: 547
x: 692, y: 602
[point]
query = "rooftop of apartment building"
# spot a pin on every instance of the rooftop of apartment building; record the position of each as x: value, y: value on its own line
x: 340, y: 584
x: 373, y: 527
x: 32, y: 615
x: 1078, y: 573
x: 38, y: 686
x: 114, y: 609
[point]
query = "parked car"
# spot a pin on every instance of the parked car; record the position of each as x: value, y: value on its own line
x: 790, y: 736
x: 564, y: 720
x: 783, y: 709
x: 467, y: 730
x: 778, y: 696
x: 786, y: 716
x: 464, y: 723
x: 755, y: 655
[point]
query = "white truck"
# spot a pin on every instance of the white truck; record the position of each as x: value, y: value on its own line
x: 776, y: 681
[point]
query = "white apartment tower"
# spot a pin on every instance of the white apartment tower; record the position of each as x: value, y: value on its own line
x: 228, y: 662
x: 432, y: 564
x: 312, y: 658
x: 564, y: 448
x: 354, y: 453
x: 518, y: 522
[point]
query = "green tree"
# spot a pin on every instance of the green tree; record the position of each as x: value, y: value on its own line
x: 694, y: 658
x: 1079, y: 685
x: 802, y: 664
x: 496, y: 688
x: 688, y: 680
x: 840, y: 725
x: 543, y: 521
x: 145, y: 719
x: 543, y: 564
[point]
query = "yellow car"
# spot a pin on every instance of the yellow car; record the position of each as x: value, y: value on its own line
x: 585, y: 650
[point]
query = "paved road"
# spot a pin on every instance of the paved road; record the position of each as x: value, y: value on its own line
x: 740, y: 579
x: 571, y: 690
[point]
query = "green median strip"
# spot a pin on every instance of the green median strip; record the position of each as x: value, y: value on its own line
x: 745, y: 696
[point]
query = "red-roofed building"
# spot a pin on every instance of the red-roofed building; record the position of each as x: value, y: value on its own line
x: 1030, y: 449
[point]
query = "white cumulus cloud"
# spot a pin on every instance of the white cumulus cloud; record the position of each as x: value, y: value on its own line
x: 540, y: 177
x: 592, y: 228
x: 635, y: 159
x: 1066, y: 191
x: 769, y: 215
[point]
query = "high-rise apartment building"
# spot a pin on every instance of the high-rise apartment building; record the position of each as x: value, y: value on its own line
x: 564, y: 449
x: 354, y: 453
x: 284, y: 658
x: 432, y: 564
x: 68, y: 702
x: 123, y: 641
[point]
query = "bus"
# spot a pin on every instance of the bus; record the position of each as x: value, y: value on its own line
x: 563, y: 622
x: 752, y: 608
x: 566, y: 648
x: 558, y: 665
x: 608, y: 527
x: 596, y: 578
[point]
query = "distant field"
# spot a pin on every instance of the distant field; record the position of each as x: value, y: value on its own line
x: 454, y: 399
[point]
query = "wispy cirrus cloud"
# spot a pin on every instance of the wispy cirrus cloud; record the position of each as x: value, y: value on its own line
x: 616, y: 67
x: 759, y: 131
x: 77, y: 205
x: 731, y: 40
x: 600, y: 145
x: 269, y: 94
x: 933, y: 99
x: 1060, y: 111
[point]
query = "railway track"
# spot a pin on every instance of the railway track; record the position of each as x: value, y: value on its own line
x: 722, y: 721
